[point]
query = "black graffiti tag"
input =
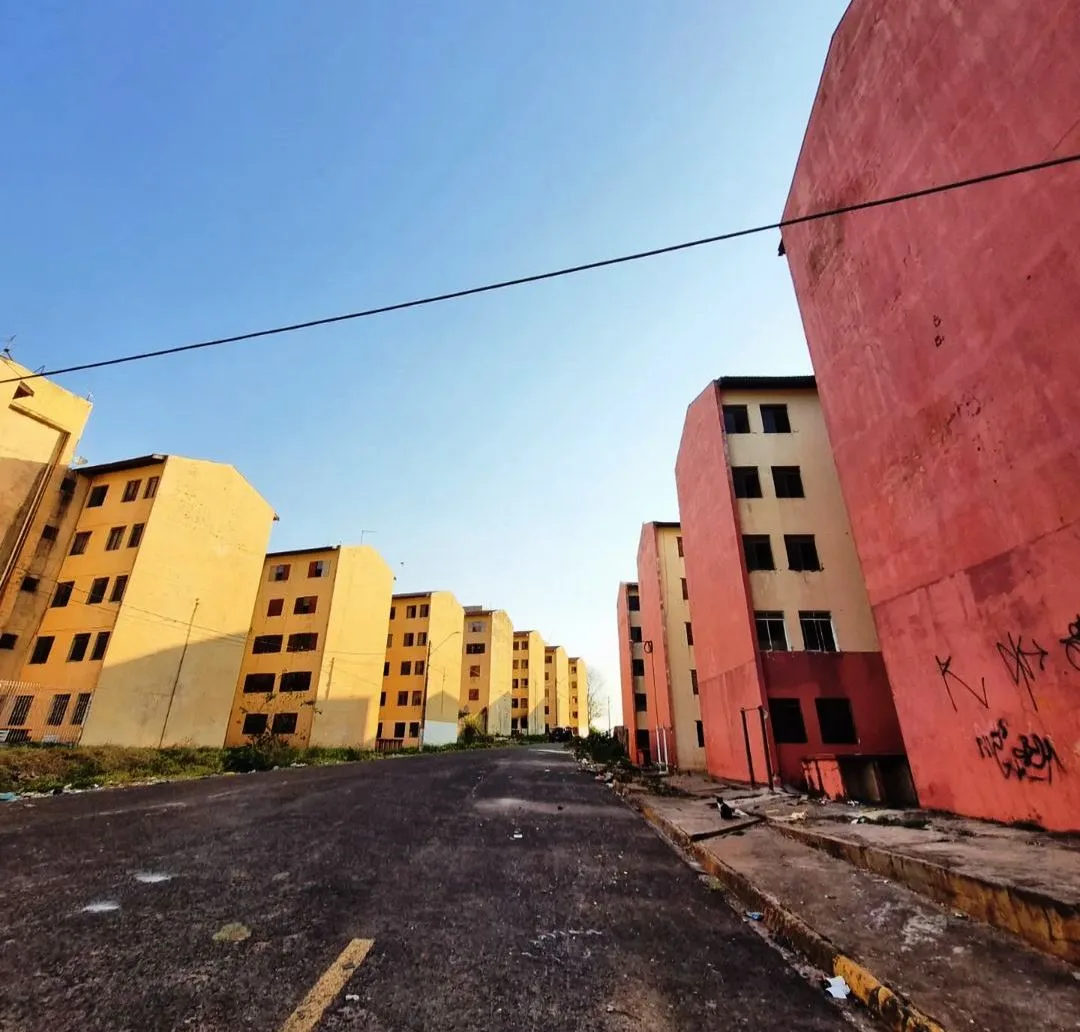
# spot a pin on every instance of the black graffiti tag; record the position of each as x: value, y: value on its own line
x: 1072, y: 644
x: 1033, y: 758
x: 1017, y: 660
x: 951, y: 679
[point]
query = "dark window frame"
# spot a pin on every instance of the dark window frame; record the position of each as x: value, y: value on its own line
x: 96, y: 498
x: 789, y: 724
x: 802, y: 553
x: 746, y: 482
x: 736, y: 419
x: 787, y: 482
x: 819, y: 623
x: 765, y: 626
x: 295, y: 681
x: 836, y: 721
x: 758, y: 553
x: 284, y: 723
x: 254, y: 724
x: 775, y: 419
x: 80, y: 643
x: 259, y: 684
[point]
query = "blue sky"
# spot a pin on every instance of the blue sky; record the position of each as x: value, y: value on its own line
x: 181, y: 170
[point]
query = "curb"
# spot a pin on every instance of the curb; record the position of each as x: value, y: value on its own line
x: 1047, y: 924
x: 892, y: 1007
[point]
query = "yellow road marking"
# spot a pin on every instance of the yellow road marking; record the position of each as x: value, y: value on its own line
x: 313, y: 1006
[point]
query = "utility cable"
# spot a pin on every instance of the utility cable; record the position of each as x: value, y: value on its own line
x: 570, y: 270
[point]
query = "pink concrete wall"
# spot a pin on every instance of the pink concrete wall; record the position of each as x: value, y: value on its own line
x: 859, y: 677
x: 729, y: 678
x: 657, y: 686
x: 943, y: 336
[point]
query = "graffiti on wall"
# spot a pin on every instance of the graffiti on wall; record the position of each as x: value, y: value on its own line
x: 1031, y: 758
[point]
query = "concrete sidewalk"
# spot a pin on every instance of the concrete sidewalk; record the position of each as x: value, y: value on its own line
x: 864, y: 901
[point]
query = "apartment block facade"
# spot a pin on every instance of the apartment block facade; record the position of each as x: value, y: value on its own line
x: 526, y: 684
x: 141, y: 640
x: 578, y: 675
x: 313, y: 661
x: 632, y: 685
x: 942, y: 332
x: 556, y: 687
x: 486, y: 669
x: 673, y: 713
x: 421, y: 681
x: 789, y: 670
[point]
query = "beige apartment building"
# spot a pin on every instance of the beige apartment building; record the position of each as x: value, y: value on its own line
x: 556, y: 687
x: 313, y: 662
x: 579, y: 694
x: 421, y: 681
x: 143, y: 633
x: 486, y: 669
x: 527, y: 685
x: 635, y: 709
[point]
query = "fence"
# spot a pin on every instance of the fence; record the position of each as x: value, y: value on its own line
x: 31, y: 712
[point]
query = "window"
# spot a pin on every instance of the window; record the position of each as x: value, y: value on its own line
x: 801, y: 552
x: 258, y: 683
x: 635, y: 634
x: 641, y: 702
x: 787, y: 719
x: 131, y: 490
x: 693, y: 682
x: 264, y: 643
x: 382, y: 701
x: 318, y: 568
x: 736, y: 419
x: 151, y: 487
x: 514, y: 702
x: 386, y: 669
x: 399, y: 729
x: 29, y: 584
x: 63, y: 594
x: 280, y: 572
x: 787, y: 481
x: 774, y: 419
x: 49, y: 532
x: 79, y: 542
x: 42, y: 648
x: 406, y: 666
x: 414, y: 729
x: 514, y: 665
x: 685, y: 589
x: 283, y: 724
x: 408, y: 639
x: 296, y: 681
x: 700, y: 734
x: 475, y: 648
x: 8, y: 641
x: 476, y: 627
x: 517, y: 645
x: 254, y: 724
x: 389, y: 640
x: 836, y: 722
x: 119, y: 586
x: 410, y: 612
x: 136, y: 535
x: 67, y: 486
x: 82, y: 704
x: 633, y: 603
x: 393, y: 612
x: 115, y: 539
x: 58, y: 710
x: 418, y: 698
x: 474, y: 695
x: 514, y: 686
x: 96, y: 498
x: 689, y: 633
x: 302, y: 642
x: 817, y: 630
x: 771, y: 632
x: 421, y: 637
x: 425, y: 609
x: 378, y: 730
x: 98, y: 587
x: 746, y: 481
x: 275, y: 607
x: 547, y: 710
x: 758, y: 551
x: 306, y: 604
x: 678, y: 544
x: 524, y: 682
x: 524, y: 664
x: 21, y: 710
x: 547, y: 658
x: 101, y: 643
x: 403, y: 698
x: 418, y: 667
x: 79, y: 644
x: 637, y: 667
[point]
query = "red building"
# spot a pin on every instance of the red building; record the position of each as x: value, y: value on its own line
x: 943, y: 331
x: 788, y: 667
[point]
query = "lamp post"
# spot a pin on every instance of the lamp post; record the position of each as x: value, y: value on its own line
x: 427, y: 675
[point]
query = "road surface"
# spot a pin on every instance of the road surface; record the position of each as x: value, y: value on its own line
x: 497, y: 889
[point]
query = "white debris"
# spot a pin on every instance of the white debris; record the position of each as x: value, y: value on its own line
x: 152, y: 877
x: 352, y: 997
x: 104, y: 906
x: 837, y: 988
x: 517, y: 835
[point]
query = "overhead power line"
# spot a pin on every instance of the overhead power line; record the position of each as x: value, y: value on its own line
x: 569, y: 270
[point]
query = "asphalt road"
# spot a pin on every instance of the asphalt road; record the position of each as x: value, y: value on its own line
x: 502, y: 889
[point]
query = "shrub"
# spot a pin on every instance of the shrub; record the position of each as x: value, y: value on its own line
x: 599, y: 747
x: 261, y: 752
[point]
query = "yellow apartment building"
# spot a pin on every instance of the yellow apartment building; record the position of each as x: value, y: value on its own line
x: 579, y: 694
x: 556, y: 687
x: 422, y: 670
x: 313, y: 662
x: 526, y: 684
x: 486, y: 668
x: 40, y: 499
x: 143, y: 635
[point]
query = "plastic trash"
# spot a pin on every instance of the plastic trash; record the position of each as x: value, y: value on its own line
x: 8, y: 797
x: 152, y: 877
x: 232, y: 932
x: 837, y: 988
x: 754, y: 915
x: 352, y: 997
x: 104, y: 906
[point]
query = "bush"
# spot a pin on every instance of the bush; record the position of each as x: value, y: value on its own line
x: 599, y: 747
x: 262, y: 752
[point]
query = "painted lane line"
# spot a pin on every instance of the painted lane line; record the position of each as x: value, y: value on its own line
x: 313, y: 1006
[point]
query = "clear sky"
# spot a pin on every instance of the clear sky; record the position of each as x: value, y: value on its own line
x: 185, y: 169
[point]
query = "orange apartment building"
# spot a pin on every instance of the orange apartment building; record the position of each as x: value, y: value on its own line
x: 635, y: 701
x: 486, y: 669
x: 556, y: 687
x: 526, y: 712
x: 578, y: 679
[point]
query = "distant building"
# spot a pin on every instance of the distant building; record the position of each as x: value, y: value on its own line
x: 556, y: 687
x: 635, y: 700
x: 790, y: 675
x: 579, y: 694
x: 943, y: 334
x: 421, y: 680
x: 144, y: 631
x: 673, y: 715
x: 527, y: 684
x: 313, y: 661
x: 486, y: 668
